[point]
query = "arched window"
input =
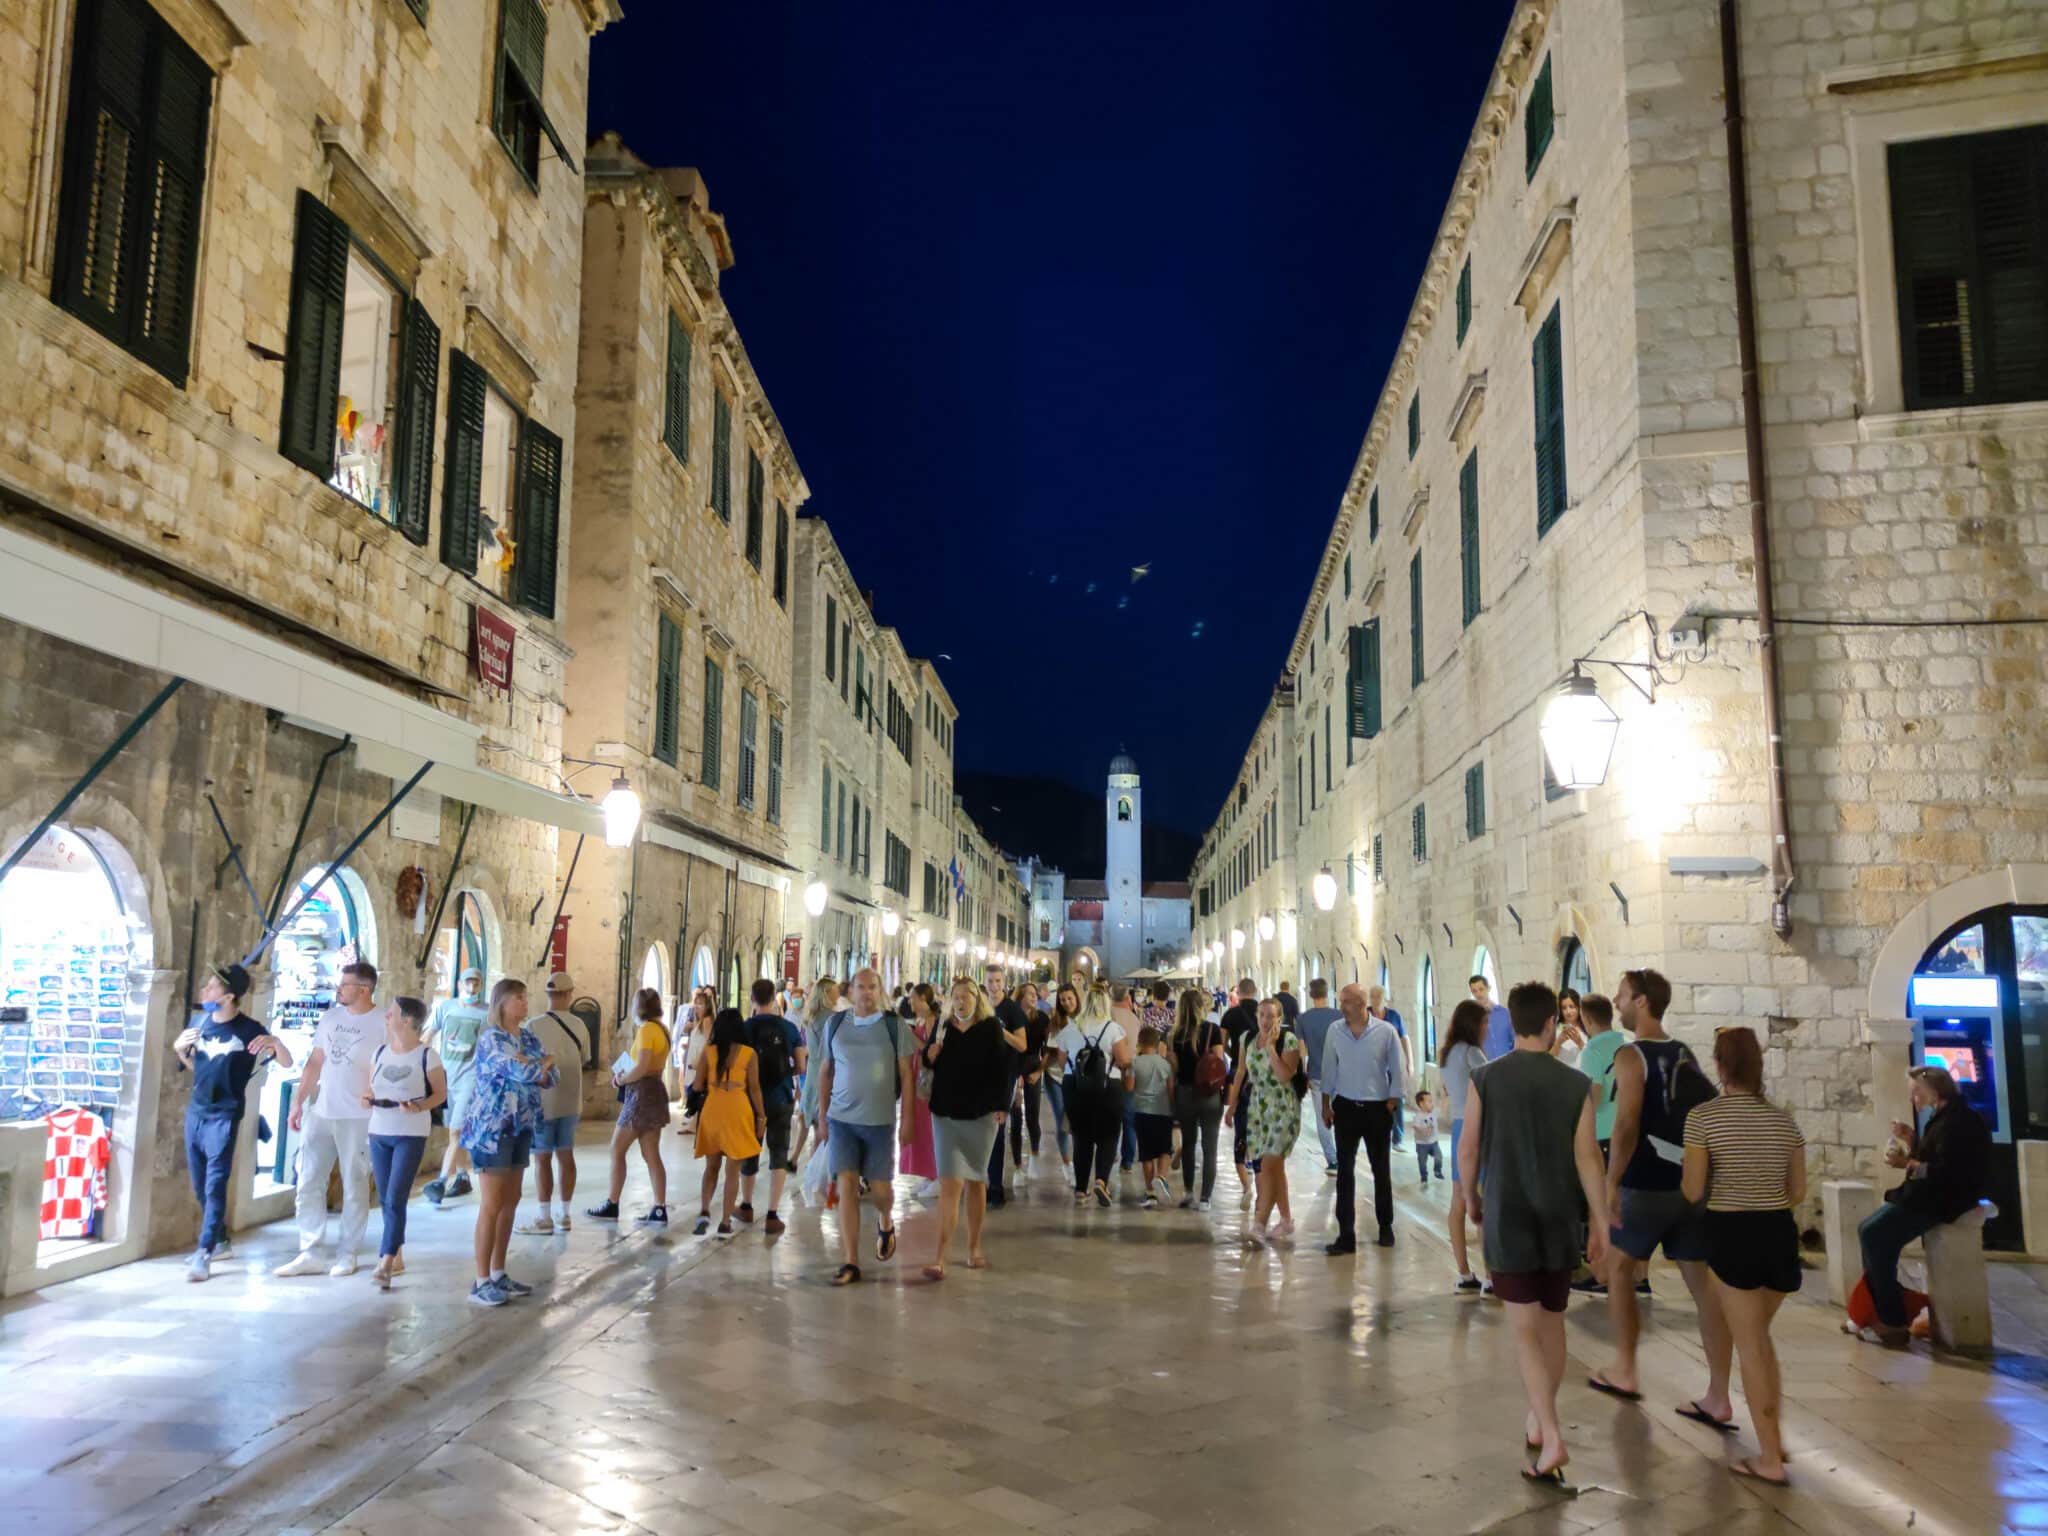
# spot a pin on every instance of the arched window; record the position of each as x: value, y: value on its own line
x: 1123, y: 807
x: 1482, y: 965
x: 1426, y: 1025
x: 1573, y: 968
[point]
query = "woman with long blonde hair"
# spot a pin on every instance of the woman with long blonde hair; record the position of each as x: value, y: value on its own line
x: 1198, y: 1108
x: 970, y: 1065
x: 497, y: 1132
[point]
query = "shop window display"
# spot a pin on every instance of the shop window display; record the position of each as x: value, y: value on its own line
x: 369, y: 360
x: 328, y: 932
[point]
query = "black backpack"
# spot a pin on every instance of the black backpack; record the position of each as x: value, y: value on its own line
x: 771, y: 1049
x: 1091, y: 1066
x: 895, y: 1041
x: 1686, y: 1087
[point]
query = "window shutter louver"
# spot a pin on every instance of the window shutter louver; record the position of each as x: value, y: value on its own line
x: 1379, y: 863
x: 714, y: 721
x: 775, y: 769
x: 419, y: 385
x: 1414, y: 422
x: 1415, y: 669
x: 749, y: 720
x: 668, y: 690
x: 312, y: 346
x: 782, y: 554
x: 1547, y: 365
x: 1475, y: 800
x: 174, y: 176
x: 1372, y: 517
x: 1538, y: 121
x: 1464, y: 299
x: 831, y: 636
x: 825, y: 811
x: 675, y: 422
x: 540, y: 516
x: 755, y: 510
x: 1468, y: 534
x: 462, y: 486
x: 721, y: 456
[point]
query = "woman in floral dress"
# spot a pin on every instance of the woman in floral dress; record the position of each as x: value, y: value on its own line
x: 1264, y: 1090
x: 497, y: 1132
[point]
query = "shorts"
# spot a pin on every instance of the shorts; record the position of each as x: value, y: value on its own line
x: 1457, y: 1136
x: 557, y: 1135
x: 460, y: 1090
x: 1653, y: 1216
x: 1155, y: 1136
x: 1549, y: 1289
x: 513, y: 1152
x: 1754, y: 1250
x: 775, y: 1142
x: 961, y: 1147
x: 868, y: 1150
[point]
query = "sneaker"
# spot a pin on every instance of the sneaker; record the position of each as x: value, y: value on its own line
x: 1201, y: 1205
x: 307, y: 1263
x: 486, y: 1294
x: 224, y: 1249
x: 459, y: 1187
x: 774, y: 1225
x: 1591, y: 1285
x: 1487, y: 1288
x: 343, y: 1266
x: 1329, y: 1170
x: 1468, y: 1284
x: 562, y: 1221
x: 513, y: 1289
x: 1102, y: 1194
x: 540, y: 1226
x: 1160, y: 1193
x: 725, y: 1230
x: 1187, y: 1202
x: 702, y: 1225
x: 654, y: 1216
x: 435, y: 1191
x: 745, y: 1211
x: 1149, y: 1203
x: 197, y: 1267
x: 1643, y: 1286
x: 607, y: 1211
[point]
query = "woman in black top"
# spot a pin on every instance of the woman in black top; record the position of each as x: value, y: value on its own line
x: 1197, y: 1110
x: 970, y: 1066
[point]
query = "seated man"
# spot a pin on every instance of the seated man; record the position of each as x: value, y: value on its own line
x: 1946, y: 1166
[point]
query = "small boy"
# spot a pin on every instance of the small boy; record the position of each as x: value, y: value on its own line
x: 1152, y: 1103
x: 1424, y: 1132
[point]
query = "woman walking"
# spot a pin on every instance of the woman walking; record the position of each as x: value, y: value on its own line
x: 919, y: 1159
x: 406, y: 1082
x: 1200, y: 1074
x: 1264, y: 1090
x: 1097, y: 1056
x: 1054, y: 1082
x: 643, y: 1111
x: 732, y: 1121
x: 497, y: 1132
x: 818, y: 1006
x: 969, y: 1061
x: 1747, y: 1159
x: 1461, y: 1055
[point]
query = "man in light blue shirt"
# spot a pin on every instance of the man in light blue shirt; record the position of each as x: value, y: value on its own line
x: 1362, y: 1081
x: 1313, y: 1027
x: 1500, y: 1029
x: 867, y: 1086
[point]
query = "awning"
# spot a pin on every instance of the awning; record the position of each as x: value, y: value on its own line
x: 487, y: 789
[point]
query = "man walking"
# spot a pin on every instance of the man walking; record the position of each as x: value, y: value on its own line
x: 1312, y: 1027
x: 1645, y: 1164
x: 1361, y: 1083
x: 452, y: 1032
x: 562, y: 1036
x: 1527, y: 1153
x: 780, y: 1060
x: 1241, y: 1023
x: 1376, y: 1004
x: 867, y: 1086
x: 1500, y: 1031
x: 334, y: 1123
x: 224, y: 1050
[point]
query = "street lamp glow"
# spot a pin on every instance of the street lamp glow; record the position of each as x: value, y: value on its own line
x: 621, y: 813
x: 981, y: 951
x: 1265, y: 925
x: 1325, y: 887
x: 891, y: 922
x: 816, y: 894
x: 1578, y: 732
x: 1236, y: 940
x: 924, y: 937
x: 959, y: 946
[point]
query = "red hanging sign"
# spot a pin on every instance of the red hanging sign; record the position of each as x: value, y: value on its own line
x: 490, y: 648
x: 792, y: 959
x: 558, y: 944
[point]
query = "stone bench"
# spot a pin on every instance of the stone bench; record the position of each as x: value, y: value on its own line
x: 1958, y: 1286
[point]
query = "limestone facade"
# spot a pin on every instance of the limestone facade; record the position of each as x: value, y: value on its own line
x: 1908, y: 514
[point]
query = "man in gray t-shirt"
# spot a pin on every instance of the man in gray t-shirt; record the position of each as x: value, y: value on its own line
x: 1313, y: 1025
x: 867, y: 1087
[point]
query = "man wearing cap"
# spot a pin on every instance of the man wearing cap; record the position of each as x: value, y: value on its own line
x: 223, y: 1049
x: 452, y: 1033
x: 554, y: 1144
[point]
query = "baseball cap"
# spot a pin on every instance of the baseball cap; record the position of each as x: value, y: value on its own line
x: 234, y: 977
x: 560, y: 982
x: 471, y: 973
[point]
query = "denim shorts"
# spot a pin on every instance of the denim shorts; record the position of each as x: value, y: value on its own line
x: 868, y: 1150
x: 513, y: 1152
x: 557, y: 1135
x: 1652, y: 1216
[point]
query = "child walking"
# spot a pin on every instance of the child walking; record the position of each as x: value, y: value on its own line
x: 1152, y: 1103
x: 1424, y: 1132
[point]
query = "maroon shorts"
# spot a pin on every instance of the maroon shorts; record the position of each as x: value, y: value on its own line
x: 1551, y: 1289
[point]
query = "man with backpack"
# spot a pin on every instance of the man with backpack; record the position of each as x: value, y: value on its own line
x: 1241, y: 1023
x: 1657, y: 1081
x: 867, y: 1085
x: 779, y: 1057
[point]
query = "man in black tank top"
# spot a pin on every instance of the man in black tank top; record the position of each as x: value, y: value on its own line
x: 1643, y: 1172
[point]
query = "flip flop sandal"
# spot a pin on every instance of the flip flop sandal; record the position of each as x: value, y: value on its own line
x: 885, y: 1244
x: 1744, y: 1468
x: 1553, y: 1480
x: 846, y: 1274
x: 1700, y: 1415
x: 1601, y: 1384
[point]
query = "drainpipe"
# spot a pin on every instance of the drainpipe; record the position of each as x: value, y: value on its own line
x: 1782, y: 871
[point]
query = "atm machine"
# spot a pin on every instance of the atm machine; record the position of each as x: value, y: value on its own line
x: 1959, y: 1025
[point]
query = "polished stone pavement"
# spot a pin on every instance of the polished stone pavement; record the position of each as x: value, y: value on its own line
x: 1114, y: 1371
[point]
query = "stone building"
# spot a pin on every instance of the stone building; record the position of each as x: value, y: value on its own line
x: 679, y: 600
x: 1559, y: 470
x: 932, y: 747
x: 289, y: 408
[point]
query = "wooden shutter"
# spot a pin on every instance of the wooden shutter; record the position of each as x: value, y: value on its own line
x: 668, y: 690
x: 825, y: 810
x: 782, y: 554
x: 1347, y: 573
x: 1475, y: 800
x: 419, y: 387
x: 1547, y: 365
x: 1468, y: 534
x: 755, y: 511
x: 675, y: 420
x: 1379, y: 862
x: 1362, y: 680
x: 1464, y: 298
x: 540, y: 518
x: 1372, y: 517
x: 1414, y: 422
x: 775, y: 769
x: 168, y: 220
x: 312, y: 344
x: 831, y: 636
x: 1538, y: 121
x: 714, y: 723
x: 462, y: 486
x: 1415, y: 668
x: 721, y: 456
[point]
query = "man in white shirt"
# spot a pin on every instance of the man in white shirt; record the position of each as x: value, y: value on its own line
x: 333, y: 1124
x: 561, y: 1106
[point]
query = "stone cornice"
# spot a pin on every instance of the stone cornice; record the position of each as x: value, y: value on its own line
x: 596, y: 15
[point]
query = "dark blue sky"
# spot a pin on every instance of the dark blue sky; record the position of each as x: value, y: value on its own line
x: 1054, y: 290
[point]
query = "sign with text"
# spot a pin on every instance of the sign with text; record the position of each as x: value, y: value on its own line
x: 792, y: 958
x: 490, y: 648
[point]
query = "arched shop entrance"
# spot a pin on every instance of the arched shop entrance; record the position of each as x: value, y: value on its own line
x: 74, y: 1021
x: 333, y: 928
x: 1574, y: 967
x: 656, y: 976
x: 468, y: 938
x: 1482, y: 965
x: 1425, y: 1005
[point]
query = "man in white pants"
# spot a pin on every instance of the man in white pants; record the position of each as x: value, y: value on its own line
x: 334, y: 1123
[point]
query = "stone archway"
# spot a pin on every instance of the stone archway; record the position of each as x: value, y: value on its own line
x: 1899, y: 954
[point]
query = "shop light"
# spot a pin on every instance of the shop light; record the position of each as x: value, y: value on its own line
x: 1325, y: 887
x: 959, y: 946
x: 1578, y: 732
x: 1236, y: 940
x: 621, y: 814
x: 816, y: 894
x: 924, y: 937
x: 892, y: 924
x: 981, y: 951
x: 1266, y: 925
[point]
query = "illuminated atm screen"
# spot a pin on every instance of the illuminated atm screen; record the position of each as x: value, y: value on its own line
x: 1956, y: 1027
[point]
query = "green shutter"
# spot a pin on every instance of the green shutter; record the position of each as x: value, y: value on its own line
x: 755, y: 510
x: 1347, y: 573
x: 1415, y: 669
x: 312, y: 343
x: 174, y: 178
x: 1418, y: 834
x: 1547, y: 365
x: 1475, y: 800
x: 1362, y: 680
x: 749, y: 720
x: 831, y: 636
x: 540, y: 518
x: 1468, y: 534
x: 782, y: 554
x: 526, y: 40
x: 668, y: 690
x: 1372, y: 517
x: 675, y: 416
x: 1538, y: 120
x: 825, y: 810
x: 419, y: 387
x: 1414, y: 422
x: 721, y: 456
x: 714, y: 723
x: 775, y: 769
x: 1464, y: 299
x: 1370, y: 646
x: 462, y: 485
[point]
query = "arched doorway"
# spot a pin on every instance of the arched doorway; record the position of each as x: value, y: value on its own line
x: 1425, y: 1007
x: 655, y: 975
x: 1483, y: 965
x: 333, y: 928
x: 468, y: 939
x: 1574, y: 966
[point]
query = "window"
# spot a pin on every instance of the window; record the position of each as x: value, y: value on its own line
x: 1475, y: 800
x: 1970, y: 248
x: 675, y: 414
x: 668, y: 689
x: 825, y: 809
x: 860, y: 682
x: 1379, y: 863
x: 501, y: 498
x: 831, y: 637
x: 1418, y: 834
x: 517, y: 115
x: 134, y: 171
x: 1468, y: 535
x: 1326, y: 749
x: 898, y: 722
x: 1464, y: 300
x: 1326, y: 625
x: 1312, y: 802
x: 1347, y: 573
x: 721, y: 456
x: 1300, y: 805
x: 775, y: 769
x: 1372, y: 517
x: 845, y: 650
x: 1414, y: 422
x: 362, y: 365
x: 841, y: 822
x: 1538, y: 120
x: 750, y: 713
x: 1362, y: 682
x: 756, y: 513
x: 1415, y: 671
x: 1123, y: 807
x: 1311, y: 658
x: 1547, y: 364
x: 714, y: 722
x: 781, y: 554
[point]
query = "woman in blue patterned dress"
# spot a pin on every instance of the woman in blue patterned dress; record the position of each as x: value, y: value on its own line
x: 504, y: 1112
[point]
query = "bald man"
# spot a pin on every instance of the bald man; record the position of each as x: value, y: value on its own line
x: 867, y: 1084
x: 1361, y: 1084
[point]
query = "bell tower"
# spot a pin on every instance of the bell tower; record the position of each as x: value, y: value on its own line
x: 1123, y: 913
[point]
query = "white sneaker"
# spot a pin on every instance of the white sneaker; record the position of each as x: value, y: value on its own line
x: 197, y: 1267
x: 539, y: 1226
x: 345, y: 1265
x: 1160, y: 1192
x: 562, y: 1221
x: 1201, y: 1205
x: 307, y: 1263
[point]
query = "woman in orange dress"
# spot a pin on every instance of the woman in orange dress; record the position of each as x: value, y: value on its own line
x: 732, y: 1122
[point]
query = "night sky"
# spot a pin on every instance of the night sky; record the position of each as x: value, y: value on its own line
x: 1041, y: 293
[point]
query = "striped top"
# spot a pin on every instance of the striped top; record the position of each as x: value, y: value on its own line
x: 1750, y: 1145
